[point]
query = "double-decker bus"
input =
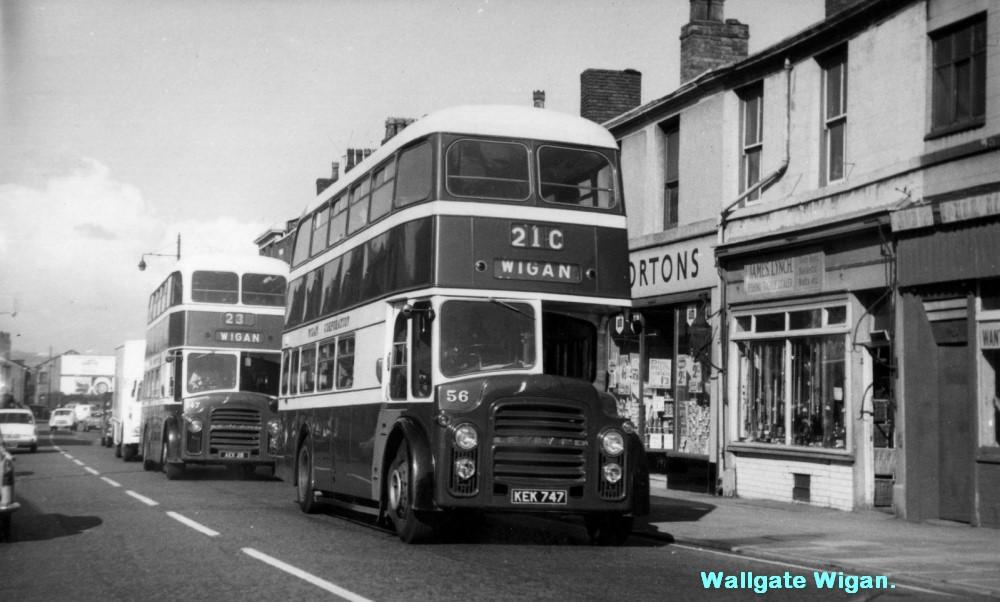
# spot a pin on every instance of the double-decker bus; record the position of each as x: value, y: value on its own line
x: 212, y: 359
x: 445, y: 345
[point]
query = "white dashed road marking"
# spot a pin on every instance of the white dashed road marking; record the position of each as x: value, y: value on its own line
x: 142, y: 498
x: 318, y: 582
x: 193, y: 524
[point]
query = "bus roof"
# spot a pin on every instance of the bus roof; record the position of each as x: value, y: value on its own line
x: 511, y: 121
x: 505, y: 121
x: 259, y: 264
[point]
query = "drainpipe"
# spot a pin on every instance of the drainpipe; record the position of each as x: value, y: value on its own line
x: 761, y: 184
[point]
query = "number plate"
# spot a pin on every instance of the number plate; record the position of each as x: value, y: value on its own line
x: 538, y: 496
x: 231, y: 454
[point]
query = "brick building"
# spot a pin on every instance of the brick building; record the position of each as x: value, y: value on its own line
x: 813, y: 232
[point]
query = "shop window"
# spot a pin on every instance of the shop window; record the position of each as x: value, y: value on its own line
x: 674, y: 373
x: 791, y: 386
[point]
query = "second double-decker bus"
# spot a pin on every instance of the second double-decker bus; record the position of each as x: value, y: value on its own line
x: 445, y: 345
x: 211, y: 373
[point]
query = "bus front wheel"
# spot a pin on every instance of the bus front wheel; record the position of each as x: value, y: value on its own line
x: 411, y: 525
x: 304, y: 493
x: 173, y: 470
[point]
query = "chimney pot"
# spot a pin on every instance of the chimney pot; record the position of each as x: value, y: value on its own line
x: 538, y: 99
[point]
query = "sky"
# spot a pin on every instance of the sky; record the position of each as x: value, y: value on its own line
x: 125, y: 123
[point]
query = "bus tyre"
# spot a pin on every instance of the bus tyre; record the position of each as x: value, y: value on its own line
x: 173, y: 470
x: 147, y: 457
x: 128, y: 452
x: 304, y: 493
x: 411, y: 525
x: 608, y: 529
x: 118, y: 450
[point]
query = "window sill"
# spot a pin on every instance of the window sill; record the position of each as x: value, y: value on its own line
x: 787, y: 451
x: 988, y: 455
x: 955, y: 128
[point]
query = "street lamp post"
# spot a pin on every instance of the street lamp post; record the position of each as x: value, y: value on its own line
x: 142, y: 260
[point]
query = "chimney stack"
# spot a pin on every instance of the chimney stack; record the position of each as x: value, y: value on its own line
x: 605, y: 93
x: 395, y: 125
x: 538, y: 99
x: 708, y: 41
x: 324, y: 183
x: 355, y: 156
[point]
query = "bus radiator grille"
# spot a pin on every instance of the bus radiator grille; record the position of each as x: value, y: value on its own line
x: 539, y: 441
x: 235, y: 429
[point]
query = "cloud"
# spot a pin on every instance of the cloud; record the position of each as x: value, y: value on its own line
x: 70, y: 251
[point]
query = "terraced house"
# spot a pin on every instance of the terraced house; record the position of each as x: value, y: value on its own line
x: 815, y: 249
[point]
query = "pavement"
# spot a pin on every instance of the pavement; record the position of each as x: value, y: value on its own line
x: 938, y: 555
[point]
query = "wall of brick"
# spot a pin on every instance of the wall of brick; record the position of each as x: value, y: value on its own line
x: 831, y: 485
x: 707, y: 45
x: 607, y: 93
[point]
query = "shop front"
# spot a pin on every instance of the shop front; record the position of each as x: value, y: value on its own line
x: 949, y: 318
x: 809, y: 400
x: 666, y: 358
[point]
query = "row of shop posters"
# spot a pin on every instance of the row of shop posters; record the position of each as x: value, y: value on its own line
x: 623, y: 380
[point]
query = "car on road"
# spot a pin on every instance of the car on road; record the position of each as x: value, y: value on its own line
x: 17, y: 426
x: 63, y: 418
x: 7, y: 503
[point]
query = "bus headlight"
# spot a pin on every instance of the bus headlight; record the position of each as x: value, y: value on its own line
x: 195, y: 426
x: 465, y: 468
x: 612, y: 472
x: 466, y: 437
x: 612, y: 443
x: 273, y: 428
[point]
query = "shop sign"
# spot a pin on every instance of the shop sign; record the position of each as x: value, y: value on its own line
x: 678, y: 267
x: 797, y: 274
x: 989, y: 335
x: 970, y: 208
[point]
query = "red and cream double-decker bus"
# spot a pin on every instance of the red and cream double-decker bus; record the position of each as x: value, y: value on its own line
x: 210, y: 380
x: 446, y: 332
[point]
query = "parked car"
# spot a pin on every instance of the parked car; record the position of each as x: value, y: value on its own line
x: 18, y: 428
x: 62, y: 418
x: 7, y: 503
x: 94, y: 420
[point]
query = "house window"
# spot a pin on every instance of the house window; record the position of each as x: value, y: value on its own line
x: 751, y: 138
x: 834, y: 68
x: 671, y: 148
x: 792, y: 372
x: 959, y: 77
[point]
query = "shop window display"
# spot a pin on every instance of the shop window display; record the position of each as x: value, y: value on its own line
x: 675, y: 370
x: 792, y: 387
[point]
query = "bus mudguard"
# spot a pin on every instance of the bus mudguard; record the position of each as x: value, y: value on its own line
x: 173, y: 435
x: 640, y: 476
x: 409, y: 431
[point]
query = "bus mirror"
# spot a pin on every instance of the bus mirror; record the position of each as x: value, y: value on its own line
x: 407, y: 311
x: 378, y: 369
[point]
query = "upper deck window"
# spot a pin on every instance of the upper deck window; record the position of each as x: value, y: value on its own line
x: 215, y: 287
x: 488, y: 169
x: 575, y: 177
x: 263, y: 289
x: 415, y: 173
x: 302, y: 237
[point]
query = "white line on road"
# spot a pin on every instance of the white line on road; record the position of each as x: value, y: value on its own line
x: 320, y: 583
x: 142, y: 498
x: 91, y: 471
x: 194, y: 525
x: 110, y: 482
x: 67, y: 455
x: 77, y: 461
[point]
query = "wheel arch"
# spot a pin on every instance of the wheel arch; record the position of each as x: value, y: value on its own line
x: 421, y: 462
